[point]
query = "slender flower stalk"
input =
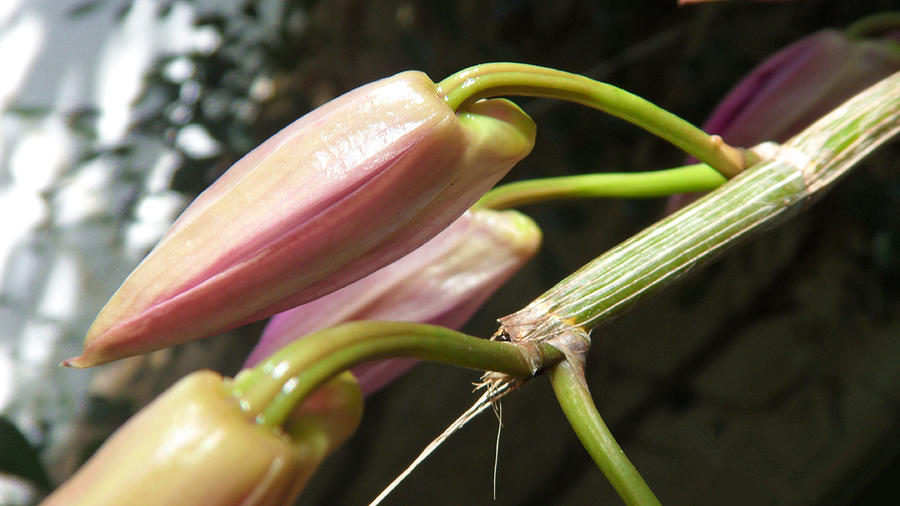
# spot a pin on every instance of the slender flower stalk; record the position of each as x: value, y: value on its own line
x: 506, y: 79
x: 290, y: 374
x: 789, y: 178
x: 658, y: 183
x: 442, y: 283
x: 879, y: 23
x: 575, y: 400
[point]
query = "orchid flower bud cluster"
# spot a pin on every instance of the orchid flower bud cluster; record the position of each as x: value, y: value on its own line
x: 196, y: 437
x: 355, y: 185
x: 355, y: 211
x: 358, y: 211
x: 341, y: 192
x: 442, y: 283
x: 345, y: 190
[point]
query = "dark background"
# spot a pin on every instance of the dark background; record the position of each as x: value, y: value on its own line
x: 769, y: 378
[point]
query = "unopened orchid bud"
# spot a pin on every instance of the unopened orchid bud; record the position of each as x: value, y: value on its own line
x: 338, y: 194
x: 442, y: 282
x: 195, y: 445
x: 800, y: 84
x: 796, y: 86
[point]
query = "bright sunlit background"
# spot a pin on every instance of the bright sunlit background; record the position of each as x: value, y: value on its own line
x: 66, y: 244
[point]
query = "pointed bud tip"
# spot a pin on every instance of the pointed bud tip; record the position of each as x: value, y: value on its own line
x: 250, y: 258
x: 92, y: 356
x: 74, y: 363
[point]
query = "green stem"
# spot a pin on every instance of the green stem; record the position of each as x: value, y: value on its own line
x: 575, y: 400
x: 504, y: 79
x: 760, y: 197
x: 691, y: 178
x: 274, y: 387
x: 873, y: 25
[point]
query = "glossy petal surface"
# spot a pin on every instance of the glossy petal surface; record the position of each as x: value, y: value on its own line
x: 443, y: 282
x: 341, y: 192
x: 194, y: 445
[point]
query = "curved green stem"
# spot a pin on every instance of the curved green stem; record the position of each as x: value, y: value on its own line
x: 274, y: 387
x: 503, y: 79
x: 575, y: 400
x: 873, y: 25
x: 793, y: 176
x: 691, y: 178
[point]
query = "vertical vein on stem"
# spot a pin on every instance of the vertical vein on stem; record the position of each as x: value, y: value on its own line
x: 763, y: 196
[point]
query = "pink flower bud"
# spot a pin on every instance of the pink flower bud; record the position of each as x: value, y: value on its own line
x: 796, y: 86
x: 443, y: 283
x: 194, y: 445
x: 800, y: 84
x: 339, y: 193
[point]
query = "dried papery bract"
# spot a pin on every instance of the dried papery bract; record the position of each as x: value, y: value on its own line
x: 340, y: 193
x: 443, y: 282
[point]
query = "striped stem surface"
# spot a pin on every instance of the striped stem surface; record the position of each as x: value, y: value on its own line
x: 788, y: 178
